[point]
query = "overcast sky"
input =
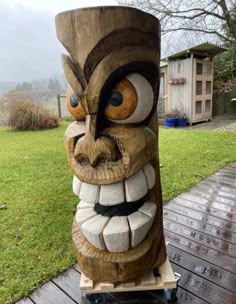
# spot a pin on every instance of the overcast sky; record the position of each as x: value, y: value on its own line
x: 29, y: 48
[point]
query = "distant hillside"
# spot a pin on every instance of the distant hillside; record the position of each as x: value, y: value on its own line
x: 5, y: 86
x: 60, y: 84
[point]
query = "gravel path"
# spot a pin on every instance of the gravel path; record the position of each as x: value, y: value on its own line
x: 225, y: 122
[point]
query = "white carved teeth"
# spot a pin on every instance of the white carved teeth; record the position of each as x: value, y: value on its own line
x: 82, y: 215
x: 112, y: 194
x: 118, y: 233
x: 135, y: 187
x: 149, y: 209
x: 131, y: 189
x: 76, y: 185
x: 89, y: 193
x: 84, y: 205
x: 93, y: 230
x: 150, y: 175
x: 139, y: 226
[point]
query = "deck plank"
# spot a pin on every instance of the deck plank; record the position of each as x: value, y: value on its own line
x: 231, y: 191
x: 214, y: 195
x: 25, y: 301
x: 204, y: 289
x: 203, y: 217
x: 49, y: 293
x: 69, y: 283
x: 206, y: 209
x: 221, y: 246
x: 77, y: 268
x: 215, y: 232
x: 202, y: 268
x: 208, y: 203
x: 224, y: 182
x: 212, y: 256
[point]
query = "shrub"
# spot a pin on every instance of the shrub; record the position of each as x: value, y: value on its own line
x: 8, y: 99
x: 25, y: 115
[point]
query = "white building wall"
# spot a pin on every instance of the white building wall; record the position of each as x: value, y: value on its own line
x: 180, y: 95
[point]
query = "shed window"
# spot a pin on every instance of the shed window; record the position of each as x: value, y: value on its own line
x: 199, y: 68
x: 198, y: 87
x: 208, y: 105
x: 198, y: 109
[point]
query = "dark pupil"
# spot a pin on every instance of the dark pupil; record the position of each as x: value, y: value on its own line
x: 74, y: 100
x: 116, y: 99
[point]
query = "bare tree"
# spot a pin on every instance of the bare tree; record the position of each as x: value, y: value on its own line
x: 210, y: 17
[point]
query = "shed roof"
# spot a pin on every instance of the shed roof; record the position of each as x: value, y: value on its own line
x: 163, y: 63
x: 205, y: 49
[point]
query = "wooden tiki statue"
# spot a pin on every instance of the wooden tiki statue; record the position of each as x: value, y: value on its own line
x: 113, y: 71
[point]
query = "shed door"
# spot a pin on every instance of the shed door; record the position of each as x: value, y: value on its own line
x: 161, y: 100
x: 202, y: 89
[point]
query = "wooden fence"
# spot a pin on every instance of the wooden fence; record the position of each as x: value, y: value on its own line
x: 61, y: 107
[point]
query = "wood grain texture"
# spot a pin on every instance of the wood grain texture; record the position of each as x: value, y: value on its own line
x: 72, y: 30
x: 133, y: 158
x: 117, y: 40
x: 146, y: 282
x: 74, y: 75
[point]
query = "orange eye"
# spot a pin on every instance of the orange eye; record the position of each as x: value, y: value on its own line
x: 131, y: 100
x: 74, y: 105
x: 122, y: 101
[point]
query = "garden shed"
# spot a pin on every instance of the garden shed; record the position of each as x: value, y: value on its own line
x: 187, y: 82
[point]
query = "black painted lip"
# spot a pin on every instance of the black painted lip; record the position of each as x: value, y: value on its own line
x: 123, y: 209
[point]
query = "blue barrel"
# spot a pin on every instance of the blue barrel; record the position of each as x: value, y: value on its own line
x: 181, y: 122
x: 170, y: 122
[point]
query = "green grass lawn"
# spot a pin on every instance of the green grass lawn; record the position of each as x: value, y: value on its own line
x: 35, y: 185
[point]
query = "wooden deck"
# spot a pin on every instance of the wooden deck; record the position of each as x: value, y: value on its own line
x: 200, y: 228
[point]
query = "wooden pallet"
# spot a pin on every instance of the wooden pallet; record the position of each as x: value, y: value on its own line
x: 147, y: 282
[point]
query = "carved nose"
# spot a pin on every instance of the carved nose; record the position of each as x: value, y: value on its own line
x: 93, y: 150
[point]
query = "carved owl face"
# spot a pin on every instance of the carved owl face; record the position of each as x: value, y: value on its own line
x: 113, y: 71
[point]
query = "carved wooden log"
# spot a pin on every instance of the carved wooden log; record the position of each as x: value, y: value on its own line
x: 113, y: 71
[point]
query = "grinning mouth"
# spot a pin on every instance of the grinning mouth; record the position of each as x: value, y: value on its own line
x: 116, y: 217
